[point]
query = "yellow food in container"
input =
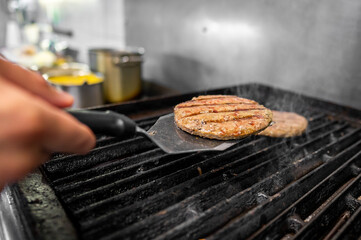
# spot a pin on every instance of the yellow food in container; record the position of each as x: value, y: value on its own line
x: 78, y: 81
x: 89, y: 79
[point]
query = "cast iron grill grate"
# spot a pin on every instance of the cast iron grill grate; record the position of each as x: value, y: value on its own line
x: 295, y: 188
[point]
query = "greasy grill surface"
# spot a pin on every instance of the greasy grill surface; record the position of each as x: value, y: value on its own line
x: 304, y: 187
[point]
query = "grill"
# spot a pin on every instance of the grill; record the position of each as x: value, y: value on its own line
x: 262, y: 188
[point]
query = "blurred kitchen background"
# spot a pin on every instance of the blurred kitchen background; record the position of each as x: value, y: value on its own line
x: 309, y: 46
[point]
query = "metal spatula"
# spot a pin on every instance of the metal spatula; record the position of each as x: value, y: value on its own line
x: 164, y: 132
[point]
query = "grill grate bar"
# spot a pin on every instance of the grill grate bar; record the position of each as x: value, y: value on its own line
x: 155, y: 222
x: 246, y: 224
x: 206, y: 196
x: 108, y: 167
x: 316, y: 197
x: 165, y: 174
x: 217, y: 216
x: 328, y: 217
x: 61, y: 167
x: 214, y: 193
x: 345, y: 216
x: 147, y: 123
x: 81, y: 186
x: 317, y: 130
x: 350, y: 230
x: 129, y: 184
x: 314, y: 132
x: 316, y: 119
x: 331, y: 197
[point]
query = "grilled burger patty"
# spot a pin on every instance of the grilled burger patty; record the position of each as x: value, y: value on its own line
x: 221, y: 117
x: 286, y: 124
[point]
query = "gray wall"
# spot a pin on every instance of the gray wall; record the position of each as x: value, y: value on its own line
x: 309, y: 46
x: 3, y: 20
x: 95, y: 23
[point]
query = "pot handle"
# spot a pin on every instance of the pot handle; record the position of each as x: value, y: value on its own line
x: 107, y: 123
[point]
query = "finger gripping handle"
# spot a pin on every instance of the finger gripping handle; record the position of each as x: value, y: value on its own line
x: 107, y: 123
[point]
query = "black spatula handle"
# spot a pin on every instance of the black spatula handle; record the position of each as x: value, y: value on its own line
x: 108, y: 123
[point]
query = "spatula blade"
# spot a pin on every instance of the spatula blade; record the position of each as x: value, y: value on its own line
x: 173, y: 140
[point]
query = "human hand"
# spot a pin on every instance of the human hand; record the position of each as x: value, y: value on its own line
x: 31, y: 124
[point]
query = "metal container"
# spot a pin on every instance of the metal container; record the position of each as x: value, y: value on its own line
x: 121, y: 70
x: 77, y: 80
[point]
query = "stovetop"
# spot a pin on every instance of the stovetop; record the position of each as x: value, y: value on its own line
x: 291, y: 188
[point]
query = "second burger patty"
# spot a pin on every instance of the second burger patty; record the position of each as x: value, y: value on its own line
x: 222, y: 117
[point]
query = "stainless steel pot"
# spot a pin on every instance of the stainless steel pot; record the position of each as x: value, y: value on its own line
x: 77, y: 80
x: 121, y: 70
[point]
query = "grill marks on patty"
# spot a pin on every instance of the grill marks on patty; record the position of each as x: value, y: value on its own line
x: 222, y: 117
x: 218, y: 100
x: 192, y: 111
